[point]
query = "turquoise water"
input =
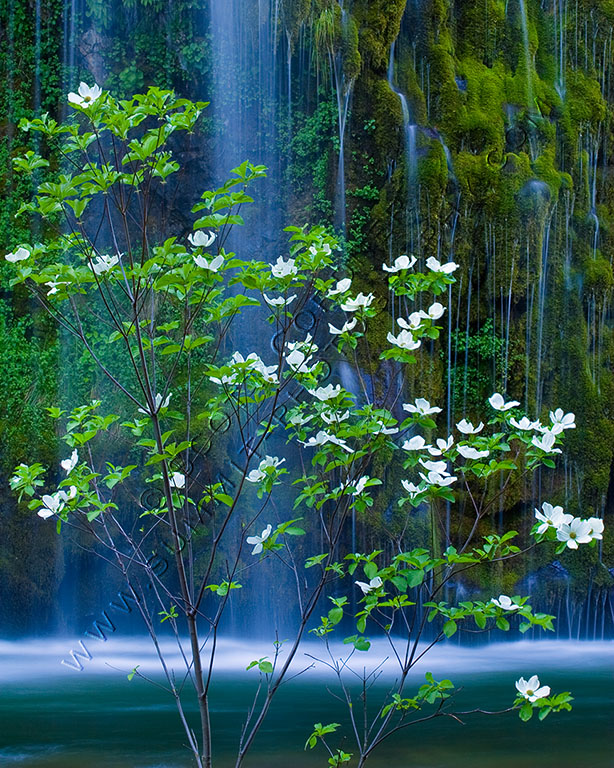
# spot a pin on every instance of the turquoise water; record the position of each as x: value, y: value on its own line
x: 55, y: 717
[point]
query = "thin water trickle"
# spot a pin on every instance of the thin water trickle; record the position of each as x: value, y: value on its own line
x: 527, y: 53
x: 410, y: 131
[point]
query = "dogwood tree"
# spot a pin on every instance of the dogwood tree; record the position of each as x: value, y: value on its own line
x: 155, y: 310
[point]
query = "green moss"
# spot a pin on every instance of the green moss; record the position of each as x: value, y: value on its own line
x: 379, y: 22
x: 598, y: 277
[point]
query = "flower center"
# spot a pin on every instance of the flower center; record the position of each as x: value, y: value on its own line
x: 529, y: 692
x: 572, y: 535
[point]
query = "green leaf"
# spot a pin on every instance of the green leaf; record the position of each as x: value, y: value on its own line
x: 526, y: 712
x: 335, y: 615
x: 449, y: 628
x: 480, y: 620
x: 315, y: 560
x: 415, y: 578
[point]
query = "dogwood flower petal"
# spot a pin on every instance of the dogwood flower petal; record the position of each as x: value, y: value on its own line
x: 505, y: 602
x: 402, y: 262
x: 362, y: 301
x: 433, y: 264
x: 201, y: 239
x: 499, y: 404
x: 421, y: 407
x: 375, y: 583
x: 19, y: 255
x: 467, y: 428
x: 404, y: 340
x: 467, y: 452
x: 259, y: 540
x: 349, y: 326
x: 342, y: 287
x: 69, y: 464
x: 283, y: 268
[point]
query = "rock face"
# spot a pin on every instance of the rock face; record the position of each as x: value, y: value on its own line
x: 478, y: 130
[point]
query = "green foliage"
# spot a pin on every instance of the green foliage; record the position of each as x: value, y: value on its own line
x: 477, y: 361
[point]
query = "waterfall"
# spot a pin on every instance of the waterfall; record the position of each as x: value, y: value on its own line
x: 244, y: 93
x: 411, y: 162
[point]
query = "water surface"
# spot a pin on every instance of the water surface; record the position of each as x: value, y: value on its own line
x: 52, y: 716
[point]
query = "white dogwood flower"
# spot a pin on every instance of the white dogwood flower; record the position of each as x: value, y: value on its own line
x: 546, y: 443
x: 86, y: 95
x: 434, y: 312
x: 200, y: 239
x: 177, y: 480
x: 360, y: 485
x: 322, y: 438
x: 334, y: 417
x: 299, y: 419
x: 402, y: 262
x: 158, y: 404
x: 104, y: 263
x: 69, y: 464
x: 384, y: 429
x: 283, y: 268
x: 467, y: 452
x: 415, y: 443
x: 412, y: 490
x: 576, y: 532
x: 404, y: 340
x: 279, y: 301
x: 499, y: 404
x: 326, y: 393
x: 597, y: 526
x: 54, y: 285
x: 551, y: 517
x: 362, y: 301
x: 441, y: 467
x: 345, y: 328
x: 55, y: 502
x: 435, y: 478
x: 212, y: 265
x: 467, y: 428
x: 442, y: 446
x: 530, y: 688
x: 434, y: 265
x: 258, y: 540
x: 525, y: 424
x: 256, y: 475
x: 505, y: 602
x: 299, y: 361
x: 375, y: 583
x: 19, y: 255
x: 342, y: 287
x: 422, y: 407
x: 413, y: 322
x: 561, y: 421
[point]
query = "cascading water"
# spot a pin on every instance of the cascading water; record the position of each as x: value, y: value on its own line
x: 411, y: 163
x: 245, y: 98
